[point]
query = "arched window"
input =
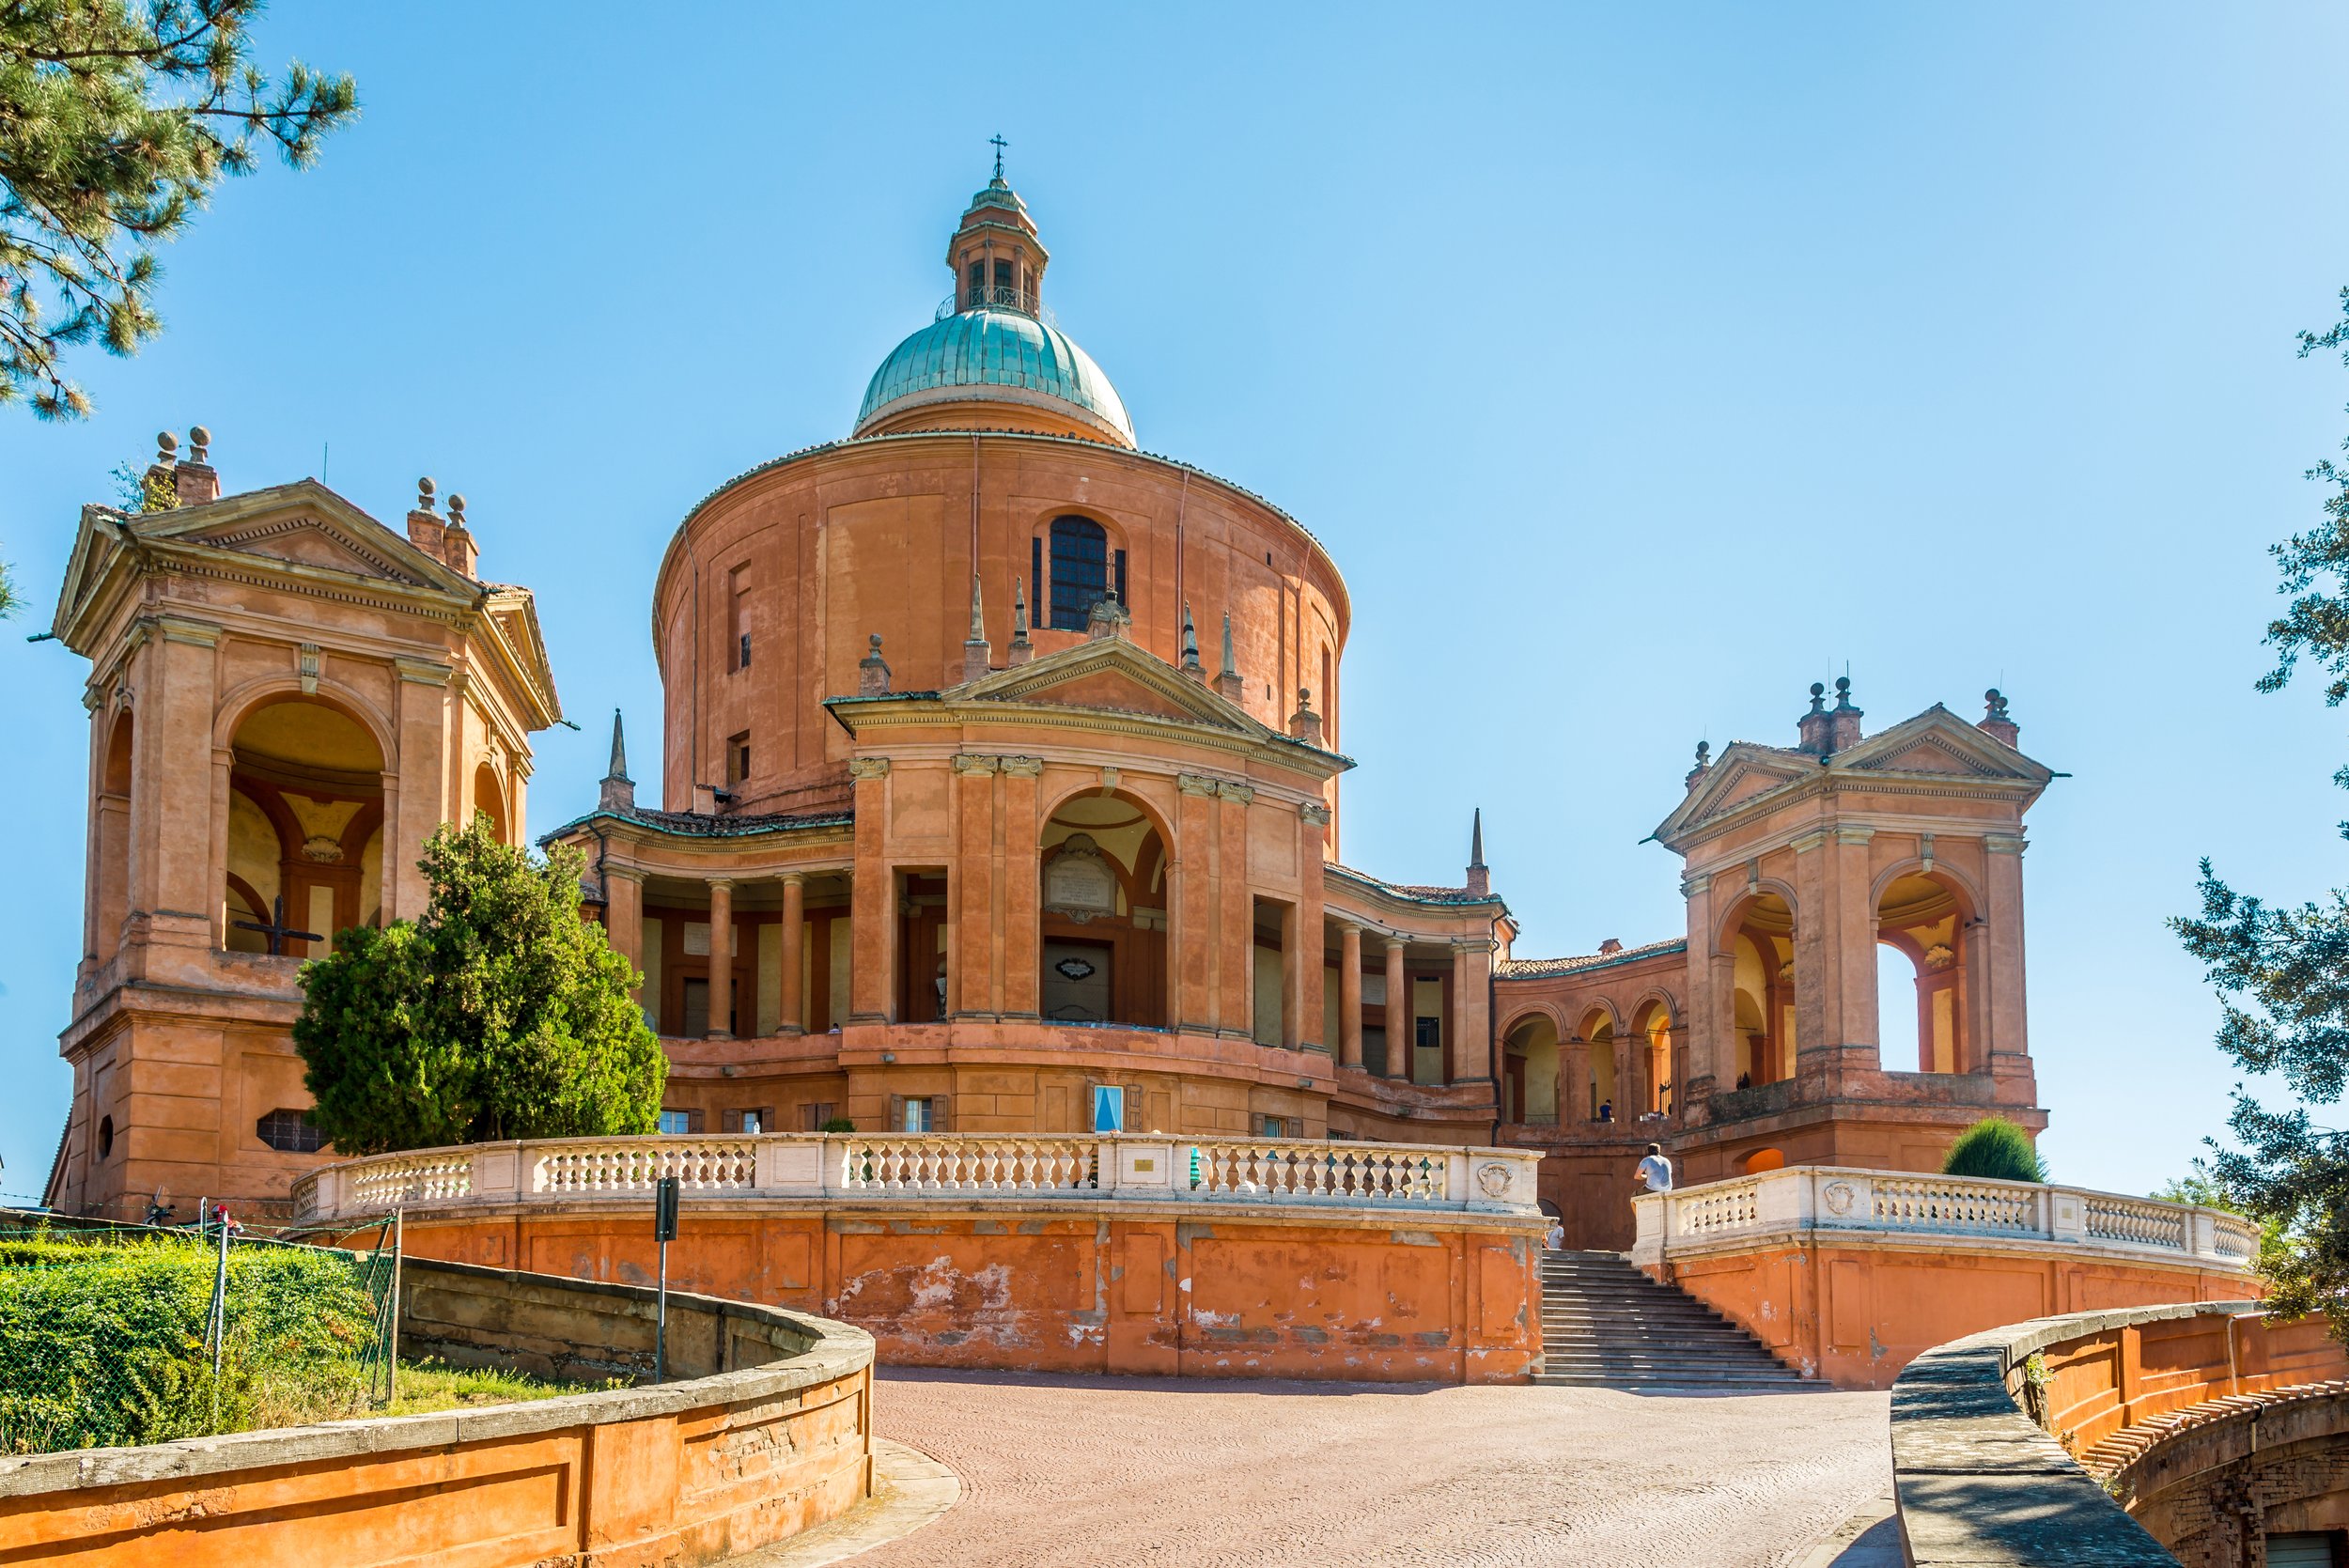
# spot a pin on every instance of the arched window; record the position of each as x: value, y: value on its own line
x: 1080, y: 570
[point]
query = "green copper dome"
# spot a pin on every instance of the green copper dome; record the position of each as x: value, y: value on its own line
x: 995, y: 354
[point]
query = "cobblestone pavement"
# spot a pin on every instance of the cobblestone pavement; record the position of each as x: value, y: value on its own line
x: 1114, y: 1470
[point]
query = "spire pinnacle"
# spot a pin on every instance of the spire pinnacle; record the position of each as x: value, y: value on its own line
x: 1480, y: 880
x: 999, y: 143
x: 977, y: 654
x: 1191, y: 666
x: 1227, y: 682
x: 619, y: 791
x: 1021, y: 651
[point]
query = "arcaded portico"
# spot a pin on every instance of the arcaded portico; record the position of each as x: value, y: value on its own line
x: 999, y: 792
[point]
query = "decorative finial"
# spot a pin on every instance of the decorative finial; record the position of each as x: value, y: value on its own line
x: 1995, y: 705
x: 426, y: 490
x: 1704, y: 753
x: 1231, y: 667
x: 456, y: 511
x: 1818, y: 696
x: 619, y: 750
x: 1000, y: 143
x: 1191, y: 642
x: 166, y: 448
x: 199, y: 444
x: 978, y: 622
x: 873, y: 650
x: 872, y: 671
x: 1476, y: 838
x: 1843, y: 692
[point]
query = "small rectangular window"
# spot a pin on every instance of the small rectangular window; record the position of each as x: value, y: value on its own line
x: 737, y: 759
x: 754, y: 1120
x: 917, y: 1117
x: 676, y: 1122
x: 291, y: 1131
x: 1273, y: 1126
x: 1036, y: 578
x: 1109, y: 1109
x: 1121, y: 582
x: 738, y: 616
x: 813, y: 1115
x: 743, y: 651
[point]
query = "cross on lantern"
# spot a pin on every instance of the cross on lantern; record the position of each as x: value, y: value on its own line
x: 999, y: 143
x: 275, y: 928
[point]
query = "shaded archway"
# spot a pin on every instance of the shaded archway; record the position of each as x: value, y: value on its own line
x: 1599, y: 1099
x: 306, y: 815
x: 1104, y: 913
x: 1652, y: 1030
x: 1530, y: 1069
x: 1760, y: 944
x: 489, y: 798
x: 1921, y: 923
x: 110, y: 829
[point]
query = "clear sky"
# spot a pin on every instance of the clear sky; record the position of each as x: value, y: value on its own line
x: 1639, y: 365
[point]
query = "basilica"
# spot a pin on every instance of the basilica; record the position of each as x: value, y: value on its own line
x: 1000, y: 792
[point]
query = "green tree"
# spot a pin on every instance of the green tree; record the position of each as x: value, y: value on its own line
x: 2201, y: 1185
x: 117, y: 118
x: 502, y: 1013
x: 1994, y: 1149
x: 10, y: 600
x: 2283, y: 971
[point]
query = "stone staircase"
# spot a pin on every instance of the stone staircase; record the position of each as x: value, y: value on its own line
x: 1606, y: 1324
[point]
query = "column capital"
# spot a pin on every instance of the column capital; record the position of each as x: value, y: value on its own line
x: 793, y: 878
x: 1693, y: 885
x: 176, y: 628
x: 1239, y: 792
x: 1466, y: 945
x: 720, y: 884
x: 1021, y: 767
x: 1804, y: 843
x: 1314, y: 813
x: 1397, y: 943
x: 966, y: 762
x: 862, y: 768
x: 423, y: 672
x: 625, y: 873
x: 1854, y: 835
x: 1196, y: 783
x: 2003, y: 843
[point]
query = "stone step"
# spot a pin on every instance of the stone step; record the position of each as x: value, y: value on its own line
x: 1607, y: 1324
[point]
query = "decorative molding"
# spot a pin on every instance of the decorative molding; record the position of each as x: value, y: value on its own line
x: 1802, y: 843
x: 2003, y: 843
x: 306, y: 662
x: 1854, y: 835
x: 423, y: 672
x: 1196, y: 783
x: 1021, y: 767
x: 965, y: 762
x: 1316, y: 814
x: 1239, y: 792
x: 202, y: 634
x: 863, y: 768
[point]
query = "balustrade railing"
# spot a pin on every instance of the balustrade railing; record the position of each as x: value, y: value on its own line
x: 915, y: 1167
x: 1830, y: 1202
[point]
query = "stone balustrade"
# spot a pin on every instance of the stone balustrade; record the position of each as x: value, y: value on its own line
x: 1373, y: 1177
x: 1837, y: 1204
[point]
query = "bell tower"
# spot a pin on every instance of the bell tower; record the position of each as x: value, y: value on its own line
x: 995, y: 255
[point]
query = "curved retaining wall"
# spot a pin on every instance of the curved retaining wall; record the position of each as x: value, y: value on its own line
x: 768, y: 1432
x: 1982, y: 1482
x: 1113, y: 1255
x: 1847, y: 1275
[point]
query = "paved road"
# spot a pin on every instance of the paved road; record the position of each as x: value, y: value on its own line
x: 1110, y: 1470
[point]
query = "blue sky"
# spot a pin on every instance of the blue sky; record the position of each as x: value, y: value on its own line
x: 1640, y: 366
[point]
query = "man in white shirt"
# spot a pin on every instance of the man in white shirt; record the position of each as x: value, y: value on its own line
x: 1655, y: 1172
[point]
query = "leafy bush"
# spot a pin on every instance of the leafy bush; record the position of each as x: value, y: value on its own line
x: 104, y: 1345
x: 1994, y: 1149
x: 837, y: 1123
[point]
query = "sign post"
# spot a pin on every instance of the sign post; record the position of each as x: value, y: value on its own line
x: 664, y: 1232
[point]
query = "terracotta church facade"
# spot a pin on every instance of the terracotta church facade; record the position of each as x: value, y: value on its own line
x: 1000, y: 793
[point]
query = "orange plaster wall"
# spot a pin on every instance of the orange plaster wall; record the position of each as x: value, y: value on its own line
x: 1081, y: 1294
x: 696, y: 1487
x: 1855, y: 1314
x: 2101, y: 1382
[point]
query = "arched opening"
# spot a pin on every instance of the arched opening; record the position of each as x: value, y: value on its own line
x: 1652, y: 1027
x: 1765, y: 1159
x: 489, y: 798
x: 110, y: 900
x: 306, y: 817
x: 1762, y: 1000
x: 1920, y: 975
x: 1103, y: 916
x: 1530, y: 1071
x: 1600, y: 1103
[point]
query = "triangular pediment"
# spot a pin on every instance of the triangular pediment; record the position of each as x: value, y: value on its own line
x: 1939, y: 742
x: 306, y: 527
x: 306, y: 540
x: 1114, y: 676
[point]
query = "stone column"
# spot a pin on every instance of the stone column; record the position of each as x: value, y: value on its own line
x: 971, y: 947
x: 872, y: 899
x: 1023, y: 933
x: 1621, y: 1099
x: 1569, y: 1082
x: 1398, y: 1013
x: 1194, y: 935
x: 172, y: 789
x: 1852, y: 1002
x: 1467, y: 1034
x: 623, y: 919
x: 1349, y: 995
x: 1817, y: 956
x: 2001, y: 976
x: 721, y: 958
x: 1307, y: 943
x: 794, y: 1000
x: 422, y: 702
x: 1235, y: 941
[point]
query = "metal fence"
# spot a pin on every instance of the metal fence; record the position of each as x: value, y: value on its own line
x: 118, y: 1334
